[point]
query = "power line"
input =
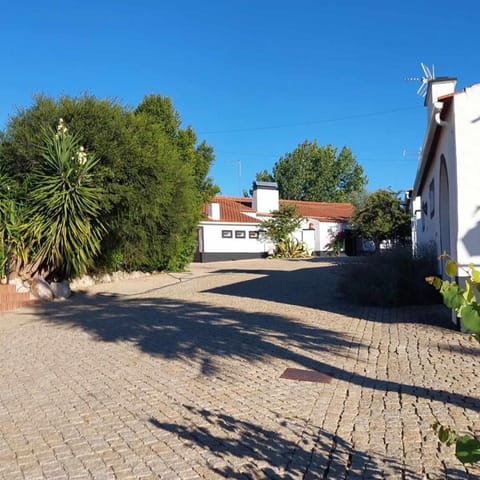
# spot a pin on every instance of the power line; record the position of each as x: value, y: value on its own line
x: 315, y: 122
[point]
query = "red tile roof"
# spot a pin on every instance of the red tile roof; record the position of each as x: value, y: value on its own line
x: 322, y: 210
x: 232, y: 209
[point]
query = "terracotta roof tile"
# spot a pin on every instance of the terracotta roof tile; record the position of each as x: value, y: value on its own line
x: 233, y: 209
x: 322, y: 210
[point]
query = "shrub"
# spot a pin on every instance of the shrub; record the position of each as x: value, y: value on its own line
x: 64, y: 205
x: 391, y: 279
x: 463, y: 301
x: 291, y: 248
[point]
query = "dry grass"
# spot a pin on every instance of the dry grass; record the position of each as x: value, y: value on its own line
x: 390, y: 279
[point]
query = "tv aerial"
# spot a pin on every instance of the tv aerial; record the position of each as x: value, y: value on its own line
x: 427, y: 76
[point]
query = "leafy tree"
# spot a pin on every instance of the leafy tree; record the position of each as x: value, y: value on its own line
x: 262, y: 176
x: 318, y: 173
x: 153, y: 173
x: 279, y: 228
x: 282, y: 223
x: 381, y: 216
x: 12, y: 219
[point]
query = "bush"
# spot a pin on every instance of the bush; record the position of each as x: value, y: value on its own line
x: 391, y: 279
x: 291, y: 248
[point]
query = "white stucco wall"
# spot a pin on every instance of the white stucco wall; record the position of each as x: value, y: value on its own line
x: 323, y: 232
x: 459, y: 144
x: 427, y: 224
x: 214, y: 243
x: 265, y: 200
x: 467, y: 128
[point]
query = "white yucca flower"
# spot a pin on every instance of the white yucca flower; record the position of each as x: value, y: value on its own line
x: 81, y: 156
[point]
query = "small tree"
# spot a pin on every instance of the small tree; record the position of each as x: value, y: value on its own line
x: 283, y: 223
x: 381, y: 216
x: 63, y: 230
x: 279, y: 228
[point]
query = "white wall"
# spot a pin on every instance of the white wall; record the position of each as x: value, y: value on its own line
x: 427, y: 224
x: 214, y: 243
x: 459, y: 143
x: 467, y: 123
x: 265, y: 200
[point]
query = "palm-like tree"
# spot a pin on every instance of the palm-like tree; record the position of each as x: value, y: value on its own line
x: 12, y: 246
x: 64, y: 204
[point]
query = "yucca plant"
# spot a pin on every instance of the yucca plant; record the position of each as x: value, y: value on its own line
x: 12, y: 246
x: 64, y: 206
x: 292, y: 248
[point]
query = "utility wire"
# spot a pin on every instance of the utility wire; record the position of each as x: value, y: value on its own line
x: 315, y: 122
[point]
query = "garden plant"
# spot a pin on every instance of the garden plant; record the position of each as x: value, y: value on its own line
x: 463, y: 301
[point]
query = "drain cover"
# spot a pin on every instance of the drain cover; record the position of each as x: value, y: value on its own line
x: 305, y: 375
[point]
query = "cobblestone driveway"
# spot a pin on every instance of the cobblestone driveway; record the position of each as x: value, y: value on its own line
x: 179, y: 378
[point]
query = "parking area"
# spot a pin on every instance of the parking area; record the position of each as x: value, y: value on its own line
x: 180, y: 377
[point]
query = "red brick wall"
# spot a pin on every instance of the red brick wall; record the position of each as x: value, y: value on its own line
x: 10, y: 299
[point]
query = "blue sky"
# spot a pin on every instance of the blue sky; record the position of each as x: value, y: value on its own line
x: 254, y: 77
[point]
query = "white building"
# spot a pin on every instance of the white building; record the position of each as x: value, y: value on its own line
x: 446, y: 194
x: 231, y: 228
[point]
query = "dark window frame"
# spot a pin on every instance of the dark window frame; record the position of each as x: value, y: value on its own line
x: 227, y: 233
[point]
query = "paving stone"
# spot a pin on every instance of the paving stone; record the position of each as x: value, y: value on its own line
x: 182, y: 381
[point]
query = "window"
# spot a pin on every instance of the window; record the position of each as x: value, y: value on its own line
x: 253, y: 234
x: 227, y: 234
x: 431, y: 197
x: 240, y: 234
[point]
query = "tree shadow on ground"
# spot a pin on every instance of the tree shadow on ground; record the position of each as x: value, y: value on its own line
x: 204, y: 333
x: 196, y: 331
x: 316, y: 287
x: 239, y: 449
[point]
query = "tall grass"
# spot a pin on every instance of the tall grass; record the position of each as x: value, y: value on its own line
x: 391, y: 279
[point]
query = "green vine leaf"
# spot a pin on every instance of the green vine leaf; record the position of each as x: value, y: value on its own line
x: 470, y: 315
x: 451, y: 268
x: 467, y: 449
x: 468, y: 294
x: 435, y: 282
x: 452, y: 295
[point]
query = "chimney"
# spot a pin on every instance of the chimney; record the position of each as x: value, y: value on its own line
x: 214, y: 211
x: 438, y: 87
x: 265, y: 197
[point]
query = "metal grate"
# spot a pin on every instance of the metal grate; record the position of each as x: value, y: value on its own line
x: 305, y: 375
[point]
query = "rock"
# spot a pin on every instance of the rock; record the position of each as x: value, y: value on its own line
x: 61, y: 290
x: 20, y: 285
x: 105, y: 278
x: 41, y: 289
x: 82, y: 282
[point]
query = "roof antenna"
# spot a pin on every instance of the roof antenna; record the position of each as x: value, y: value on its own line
x: 427, y: 76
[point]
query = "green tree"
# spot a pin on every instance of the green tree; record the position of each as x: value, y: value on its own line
x: 153, y: 173
x: 282, y: 223
x: 263, y: 176
x: 279, y: 228
x: 381, y: 216
x: 319, y: 173
x: 63, y: 204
